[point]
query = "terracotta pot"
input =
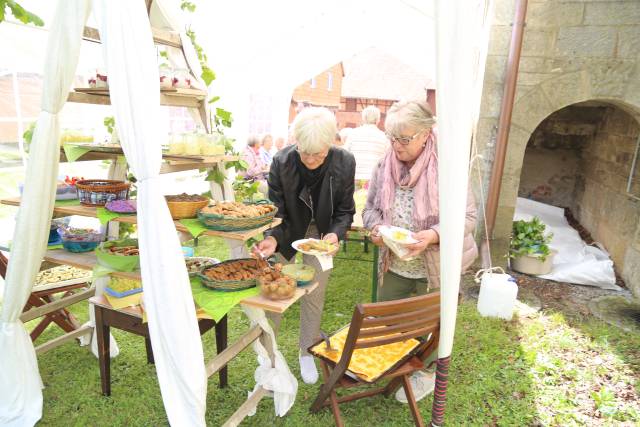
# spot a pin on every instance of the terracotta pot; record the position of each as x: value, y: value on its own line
x: 531, y: 264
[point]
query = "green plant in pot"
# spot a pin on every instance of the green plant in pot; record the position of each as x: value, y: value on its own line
x: 529, y: 250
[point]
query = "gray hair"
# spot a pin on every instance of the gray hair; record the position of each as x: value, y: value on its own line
x: 315, y: 129
x: 409, y: 114
x: 371, y: 115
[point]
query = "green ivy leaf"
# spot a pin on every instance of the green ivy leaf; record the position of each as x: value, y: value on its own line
x: 20, y: 13
x: 216, y: 176
x: 214, y: 99
x: 207, y: 75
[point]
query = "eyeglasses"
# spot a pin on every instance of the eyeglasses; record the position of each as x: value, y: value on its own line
x: 403, y: 140
x: 315, y: 156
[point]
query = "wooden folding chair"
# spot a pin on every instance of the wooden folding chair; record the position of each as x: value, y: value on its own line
x: 41, y: 303
x: 400, y: 320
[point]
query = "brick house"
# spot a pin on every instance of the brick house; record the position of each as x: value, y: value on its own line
x: 323, y: 90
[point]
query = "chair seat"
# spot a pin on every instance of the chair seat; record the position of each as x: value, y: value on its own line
x: 411, y: 365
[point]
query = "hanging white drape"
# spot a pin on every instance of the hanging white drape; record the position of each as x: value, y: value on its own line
x: 20, y: 384
x: 130, y: 58
x: 461, y: 38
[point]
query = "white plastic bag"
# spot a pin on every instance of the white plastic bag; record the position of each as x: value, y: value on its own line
x: 278, y: 379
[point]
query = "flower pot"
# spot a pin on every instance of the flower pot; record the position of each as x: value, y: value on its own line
x: 532, y: 264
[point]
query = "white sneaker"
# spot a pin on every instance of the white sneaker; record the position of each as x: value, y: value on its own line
x: 422, y: 384
x: 308, y: 369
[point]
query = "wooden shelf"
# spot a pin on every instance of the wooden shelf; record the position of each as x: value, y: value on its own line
x: 162, y: 37
x: 83, y: 260
x: 91, y: 211
x: 192, y: 98
x: 173, y: 162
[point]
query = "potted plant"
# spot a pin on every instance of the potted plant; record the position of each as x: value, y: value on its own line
x: 529, y: 250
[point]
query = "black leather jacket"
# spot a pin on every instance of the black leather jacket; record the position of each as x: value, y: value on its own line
x: 335, y: 208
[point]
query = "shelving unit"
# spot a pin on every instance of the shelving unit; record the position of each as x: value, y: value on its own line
x: 91, y: 211
x: 190, y: 98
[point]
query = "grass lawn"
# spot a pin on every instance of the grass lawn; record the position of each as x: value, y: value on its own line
x: 539, y: 369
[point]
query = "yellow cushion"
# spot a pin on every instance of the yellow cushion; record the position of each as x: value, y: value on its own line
x: 366, y: 363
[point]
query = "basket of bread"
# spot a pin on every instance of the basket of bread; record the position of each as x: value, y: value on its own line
x: 235, y: 216
x: 185, y: 205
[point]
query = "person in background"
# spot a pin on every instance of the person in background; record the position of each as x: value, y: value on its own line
x: 265, y: 150
x: 344, y: 136
x: 311, y: 183
x: 256, y: 169
x: 367, y: 143
x: 280, y: 143
x: 403, y: 192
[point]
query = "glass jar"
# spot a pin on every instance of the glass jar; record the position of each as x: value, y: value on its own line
x: 192, y: 144
x: 176, y: 144
x: 166, y: 76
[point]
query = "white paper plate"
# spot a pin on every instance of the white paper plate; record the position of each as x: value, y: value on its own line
x: 297, y: 243
x: 390, y: 232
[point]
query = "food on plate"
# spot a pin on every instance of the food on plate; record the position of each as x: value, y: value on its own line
x: 122, y: 284
x: 243, y: 269
x: 79, y: 234
x: 123, y: 250
x: 400, y: 235
x: 61, y: 273
x: 275, y: 286
x: 197, y: 264
x: 184, y: 197
x: 121, y: 206
x: 238, y: 210
x: 300, y: 272
x: 317, y: 246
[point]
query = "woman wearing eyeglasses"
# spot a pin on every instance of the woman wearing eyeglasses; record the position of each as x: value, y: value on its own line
x: 312, y: 184
x: 403, y: 192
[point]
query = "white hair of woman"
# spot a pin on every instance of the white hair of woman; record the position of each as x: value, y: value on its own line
x: 409, y: 114
x: 371, y: 115
x: 314, y: 130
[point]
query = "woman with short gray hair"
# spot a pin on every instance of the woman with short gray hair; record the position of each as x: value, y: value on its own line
x: 312, y: 184
x: 403, y: 192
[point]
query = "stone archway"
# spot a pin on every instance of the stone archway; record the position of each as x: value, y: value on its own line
x: 538, y: 103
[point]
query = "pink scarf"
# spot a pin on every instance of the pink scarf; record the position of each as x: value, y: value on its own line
x: 422, y: 177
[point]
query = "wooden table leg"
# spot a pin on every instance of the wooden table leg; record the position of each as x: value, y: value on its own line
x: 103, y: 338
x: 147, y: 344
x: 221, y: 344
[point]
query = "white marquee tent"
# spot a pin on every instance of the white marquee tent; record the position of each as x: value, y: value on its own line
x: 268, y: 51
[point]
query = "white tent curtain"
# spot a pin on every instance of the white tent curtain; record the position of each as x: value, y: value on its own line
x: 20, y: 384
x: 461, y: 37
x: 131, y: 63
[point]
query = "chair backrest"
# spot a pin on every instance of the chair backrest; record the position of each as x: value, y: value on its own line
x: 381, y: 323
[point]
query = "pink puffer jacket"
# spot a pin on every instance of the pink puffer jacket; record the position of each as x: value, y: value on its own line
x: 372, y: 216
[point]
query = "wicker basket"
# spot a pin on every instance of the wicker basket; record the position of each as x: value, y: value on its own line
x: 97, y: 192
x: 181, y: 210
x: 227, y: 285
x: 226, y: 223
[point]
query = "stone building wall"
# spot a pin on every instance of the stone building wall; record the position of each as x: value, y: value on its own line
x: 604, y: 207
x: 573, y: 51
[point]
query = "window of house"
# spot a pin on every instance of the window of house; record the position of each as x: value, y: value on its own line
x: 633, y: 184
x: 350, y: 104
x: 329, y: 81
x: 313, y: 83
